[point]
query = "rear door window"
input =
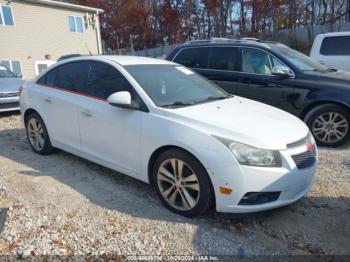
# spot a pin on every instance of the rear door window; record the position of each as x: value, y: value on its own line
x: 193, y: 57
x: 225, y: 58
x: 72, y: 76
x: 49, y: 78
x: 335, y: 45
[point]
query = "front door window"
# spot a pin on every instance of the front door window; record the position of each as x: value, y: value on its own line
x: 256, y: 62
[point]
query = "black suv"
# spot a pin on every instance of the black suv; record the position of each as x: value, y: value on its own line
x: 277, y: 75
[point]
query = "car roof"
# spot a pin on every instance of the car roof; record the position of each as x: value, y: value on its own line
x: 335, y: 34
x: 138, y: 60
x: 250, y: 42
x: 122, y: 60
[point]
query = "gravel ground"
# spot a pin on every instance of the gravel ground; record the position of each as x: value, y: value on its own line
x: 63, y: 205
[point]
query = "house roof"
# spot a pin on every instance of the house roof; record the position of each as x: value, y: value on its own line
x: 67, y: 5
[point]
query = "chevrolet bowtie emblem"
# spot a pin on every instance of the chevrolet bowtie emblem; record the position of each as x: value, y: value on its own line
x: 310, y: 146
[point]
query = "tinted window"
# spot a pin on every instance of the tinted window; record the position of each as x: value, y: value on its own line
x: 338, y: 45
x: 193, y: 57
x: 72, y: 76
x: 105, y: 80
x: 224, y: 58
x: 275, y: 62
x: 256, y: 61
x: 48, y: 78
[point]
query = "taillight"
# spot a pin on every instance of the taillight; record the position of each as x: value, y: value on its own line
x: 21, y: 89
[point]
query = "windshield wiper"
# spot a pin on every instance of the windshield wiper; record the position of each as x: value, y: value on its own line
x: 314, y: 70
x: 178, y: 103
x: 332, y: 70
x: 191, y: 103
x: 212, y: 98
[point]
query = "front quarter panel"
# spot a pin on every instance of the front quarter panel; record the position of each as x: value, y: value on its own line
x: 312, y: 90
x: 324, y: 96
x: 159, y: 131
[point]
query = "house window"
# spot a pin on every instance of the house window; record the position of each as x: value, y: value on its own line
x: 75, y: 24
x: 6, y: 17
x: 12, y: 65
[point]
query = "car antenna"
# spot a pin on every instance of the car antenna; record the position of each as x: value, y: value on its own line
x: 88, y: 48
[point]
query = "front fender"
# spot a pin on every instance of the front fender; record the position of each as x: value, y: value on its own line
x: 321, y: 97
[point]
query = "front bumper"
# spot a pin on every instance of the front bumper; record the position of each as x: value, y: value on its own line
x: 9, y: 104
x: 293, y: 183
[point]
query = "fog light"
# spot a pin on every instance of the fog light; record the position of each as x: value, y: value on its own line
x: 259, y: 198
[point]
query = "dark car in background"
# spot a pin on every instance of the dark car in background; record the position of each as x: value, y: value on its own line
x: 9, y: 90
x: 277, y: 75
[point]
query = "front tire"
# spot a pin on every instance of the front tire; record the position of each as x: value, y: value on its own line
x: 182, y: 183
x: 37, y: 134
x: 329, y: 124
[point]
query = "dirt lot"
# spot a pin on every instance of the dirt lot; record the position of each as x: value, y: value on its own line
x: 61, y: 204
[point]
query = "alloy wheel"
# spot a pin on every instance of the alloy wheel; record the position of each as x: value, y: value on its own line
x: 330, y: 127
x: 178, y: 184
x: 36, y: 134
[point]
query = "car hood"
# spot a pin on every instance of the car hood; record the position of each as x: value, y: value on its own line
x: 335, y: 79
x: 10, y: 84
x: 245, y: 121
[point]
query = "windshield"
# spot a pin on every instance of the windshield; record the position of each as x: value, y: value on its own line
x: 301, y: 61
x: 5, y: 73
x: 172, y: 85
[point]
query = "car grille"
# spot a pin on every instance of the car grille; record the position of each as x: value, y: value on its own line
x: 9, y: 105
x: 305, y: 159
x: 9, y: 94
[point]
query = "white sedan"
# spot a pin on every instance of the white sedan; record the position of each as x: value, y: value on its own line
x: 161, y: 123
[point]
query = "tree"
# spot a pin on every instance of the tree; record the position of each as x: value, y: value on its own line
x: 150, y: 23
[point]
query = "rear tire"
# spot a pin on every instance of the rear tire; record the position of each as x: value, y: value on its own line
x: 329, y: 124
x: 37, y: 135
x: 182, y: 183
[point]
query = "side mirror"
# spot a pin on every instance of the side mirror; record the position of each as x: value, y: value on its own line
x: 120, y: 99
x: 282, y: 71
x: 19, y: 75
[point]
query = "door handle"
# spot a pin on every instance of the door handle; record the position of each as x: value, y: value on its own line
x: 47, y: 99
x: 86, y: 113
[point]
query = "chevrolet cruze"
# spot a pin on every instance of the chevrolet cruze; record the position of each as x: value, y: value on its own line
x: 161, y: 123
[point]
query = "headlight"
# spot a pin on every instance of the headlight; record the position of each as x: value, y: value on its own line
x: 251, y: 156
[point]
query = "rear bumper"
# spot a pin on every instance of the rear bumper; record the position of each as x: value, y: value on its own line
x: 9, y: 104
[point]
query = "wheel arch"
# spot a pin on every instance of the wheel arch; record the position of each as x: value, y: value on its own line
x: 312, y: 105
x: 164, y: 148
x: 27, y: 114
x: 160, y: 151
